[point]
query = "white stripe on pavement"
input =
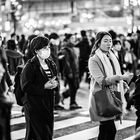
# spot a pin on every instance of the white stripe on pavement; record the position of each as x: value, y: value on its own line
x: 70, y: 122
x: 20, y: 134
x: 93, y: 132
x: 18, y: 120
x: 130, y: 138
x: 57, y: 125
x: 80, y: 135
x: 13, y: 112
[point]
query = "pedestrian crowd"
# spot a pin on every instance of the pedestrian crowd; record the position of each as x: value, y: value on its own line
x: 48, y: 59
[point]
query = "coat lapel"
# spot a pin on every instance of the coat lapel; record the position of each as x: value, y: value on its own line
x: 40, y: 68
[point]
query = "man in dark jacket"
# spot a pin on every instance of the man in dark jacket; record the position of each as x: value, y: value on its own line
x: 12, y: 62
x: 136, y: 98
x: 85, y: 49
x: 70, y: 71
x: 54, y: 44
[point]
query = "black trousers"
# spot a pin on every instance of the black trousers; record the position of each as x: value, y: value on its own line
x: 5, y: 114
x: 107, y: 130
x: 83, y: 67
x: 71, y: 92
x: 138, y: 118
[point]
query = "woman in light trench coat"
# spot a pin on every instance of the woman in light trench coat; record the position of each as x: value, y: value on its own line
x: 104, y: 69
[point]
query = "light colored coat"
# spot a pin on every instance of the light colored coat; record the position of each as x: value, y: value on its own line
x: 97, y: 72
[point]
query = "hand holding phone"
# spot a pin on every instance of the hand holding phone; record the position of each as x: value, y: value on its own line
x: 52, y: 83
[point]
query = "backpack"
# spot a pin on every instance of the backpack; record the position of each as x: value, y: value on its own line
x: 17, y: 86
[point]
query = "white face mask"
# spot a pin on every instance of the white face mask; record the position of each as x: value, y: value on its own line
x: 45, y: 53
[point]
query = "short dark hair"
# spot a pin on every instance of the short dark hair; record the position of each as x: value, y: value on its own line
x: 83, y: 33
x: 68, y: 36
x: 116, y: 41
x: 39, y: 42
x: 53, y: 36
x: 13, y: 34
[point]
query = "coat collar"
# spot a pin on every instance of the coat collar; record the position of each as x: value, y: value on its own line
x: 36, y: 61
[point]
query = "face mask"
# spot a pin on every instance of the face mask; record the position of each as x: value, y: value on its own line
x: 45, y: 53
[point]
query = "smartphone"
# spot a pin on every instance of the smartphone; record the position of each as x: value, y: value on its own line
x: 53, y: 78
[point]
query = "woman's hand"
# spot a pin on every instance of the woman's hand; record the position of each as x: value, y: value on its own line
x: 51, y: 84
x: 127, y: 77
x: 114, y: 79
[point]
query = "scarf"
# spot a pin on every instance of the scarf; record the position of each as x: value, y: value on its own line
x: 109, y: 69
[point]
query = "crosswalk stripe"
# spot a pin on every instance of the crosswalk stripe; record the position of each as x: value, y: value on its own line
x: 93, y: 132
x: 82, y: 135
x: 70, y: 122
x: 57, y: 125
x: 130, y: 138
x: 20, y: 134
x: 18, y: 120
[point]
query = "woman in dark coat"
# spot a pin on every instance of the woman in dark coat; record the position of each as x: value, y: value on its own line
x: 38, y: 81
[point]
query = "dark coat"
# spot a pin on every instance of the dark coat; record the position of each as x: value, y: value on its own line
x: 38, y: 102
x: 84, y: 48
x: 11, y: 45
x: 70, y: 61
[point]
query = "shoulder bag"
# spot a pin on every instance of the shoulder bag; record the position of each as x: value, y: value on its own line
x: 108, y: 102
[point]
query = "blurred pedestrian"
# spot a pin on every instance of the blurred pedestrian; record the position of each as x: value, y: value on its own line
x: 136, y: 99
x: 70, y: 71
x: 38, y: 81
x: 11, y: 46
x: 105, y: 71
x: 84, y: 50
x: 5, y: 105
x: 22, y: 43
x: 54, y: 45
x: 129, y: 58
x: 28, y: 54
x: 116, y: 48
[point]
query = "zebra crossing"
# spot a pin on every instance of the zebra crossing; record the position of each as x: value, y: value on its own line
x: 78, y: 127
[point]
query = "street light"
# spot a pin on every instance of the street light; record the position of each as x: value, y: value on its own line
x: 15, y: 13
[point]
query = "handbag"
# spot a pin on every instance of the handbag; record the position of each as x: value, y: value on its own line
x: 108, y: 103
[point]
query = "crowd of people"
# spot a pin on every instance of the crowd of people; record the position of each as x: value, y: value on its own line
x: 46, y: 59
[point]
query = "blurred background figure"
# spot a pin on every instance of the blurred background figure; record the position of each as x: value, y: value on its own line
x: 5, y: 105
x: 116, y: 48
x: 84, y: 52
x: 70, y: 71
x: 54, y: 46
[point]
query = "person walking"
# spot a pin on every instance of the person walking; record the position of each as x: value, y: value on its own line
x: 5, y: 104
x: 84, y: 52
x: 38, y: 82
x: 54, y: 45
x: 105, y: 70
x: 70, y: 71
